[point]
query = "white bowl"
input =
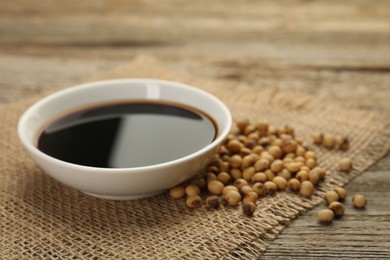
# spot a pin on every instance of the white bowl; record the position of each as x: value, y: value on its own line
x: 123, y: 183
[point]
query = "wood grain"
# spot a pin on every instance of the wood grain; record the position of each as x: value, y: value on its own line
x: 334, y: 49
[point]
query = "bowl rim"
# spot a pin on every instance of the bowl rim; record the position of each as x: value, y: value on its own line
x: 32, y: 149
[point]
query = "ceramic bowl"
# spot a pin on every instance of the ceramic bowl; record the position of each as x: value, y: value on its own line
x: 123, y: 183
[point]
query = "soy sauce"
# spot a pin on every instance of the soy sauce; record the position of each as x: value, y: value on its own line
x: 132, y: 134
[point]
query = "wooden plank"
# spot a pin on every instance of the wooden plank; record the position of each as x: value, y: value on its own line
x: 368, y: 90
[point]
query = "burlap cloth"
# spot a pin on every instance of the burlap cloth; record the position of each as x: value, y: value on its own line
x: 41, y: 218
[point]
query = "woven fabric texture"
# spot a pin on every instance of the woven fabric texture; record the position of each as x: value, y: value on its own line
x: 41, y: 218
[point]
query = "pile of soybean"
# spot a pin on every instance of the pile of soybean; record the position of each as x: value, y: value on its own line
x: 257, y: 160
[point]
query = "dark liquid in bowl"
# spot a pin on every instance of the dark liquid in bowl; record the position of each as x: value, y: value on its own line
x: 122, y: 135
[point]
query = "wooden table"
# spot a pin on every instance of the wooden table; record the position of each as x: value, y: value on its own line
x: 337, y: 49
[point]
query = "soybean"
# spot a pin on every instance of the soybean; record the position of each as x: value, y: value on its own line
x: 193, y: 201
x: 248, y: 208
x: 233, y: 198
x: 228, y: 188
x: 318, y: 138
x: 248, y: 173
x: 325, y: 215
x: 246, y: 189
x: 192, y: 190
x: 215, y: 187
x: 259, y: 177
x: 294, y: 166
x: 294, y: 184
x: 302, y: 176
x: 314, y: 177
x: 270, y: 187
x: 280, y: 182
x: 329, y: 141
x: 262, y: 127
x: 331, y: 196
x: 258, y: 187
x: 212, y: 202
x: 345, y: 165
x: 306, y: 188
x: 234, y: 146
x: 341, y: 192
x: 262, y: 165
x: 359, y: 201
x: 337, y: 208
x: 242, y: 124
x: 177, y: 192
x: 236, y: 173
x: 277, y: 166
x: 285, y: 174
x: 235, y: 161
x: 247, y: 161
x: 250, y: 197
x: 224, y: 177
x: 275, y: 151
x: 239, y: 183
x: 200, y: 182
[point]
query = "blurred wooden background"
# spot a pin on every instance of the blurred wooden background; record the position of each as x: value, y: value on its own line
x: 337, y: 49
